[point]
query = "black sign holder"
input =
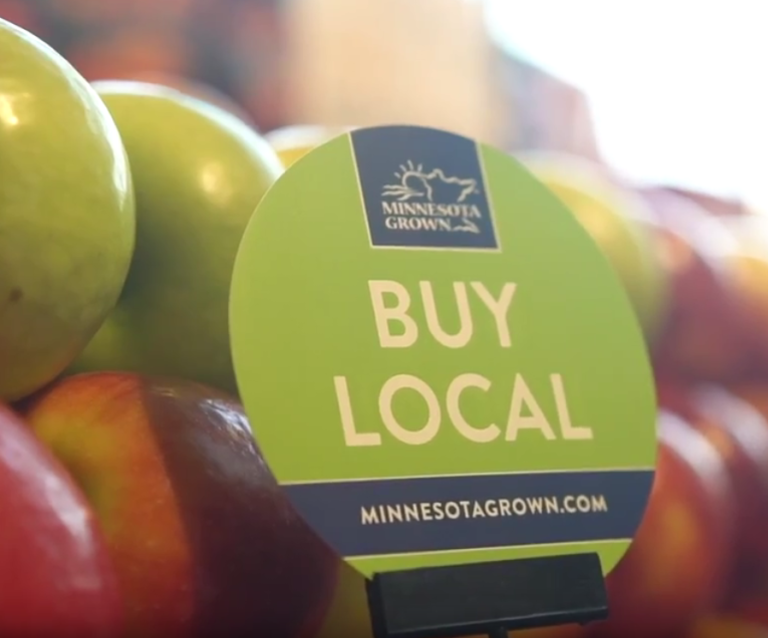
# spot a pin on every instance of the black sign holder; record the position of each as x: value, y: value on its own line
x: 491, y: 598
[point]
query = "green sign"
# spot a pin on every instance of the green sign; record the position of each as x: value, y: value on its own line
x: 438, y: 363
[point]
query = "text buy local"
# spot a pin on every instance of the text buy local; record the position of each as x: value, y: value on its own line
x: 524, y: 413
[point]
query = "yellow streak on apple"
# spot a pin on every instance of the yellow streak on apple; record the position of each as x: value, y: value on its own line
x: 107, y: 443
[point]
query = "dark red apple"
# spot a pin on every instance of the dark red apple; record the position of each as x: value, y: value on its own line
x: 675, y: 568
x: 705, y: 336
x: 204, y: 541
x: 56, y: 578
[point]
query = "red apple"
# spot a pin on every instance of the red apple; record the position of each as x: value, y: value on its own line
x: 56, y: 578
x: 675, y: 568
x: 705, y: 335
x: 203, y: 539
x: 740, y: 434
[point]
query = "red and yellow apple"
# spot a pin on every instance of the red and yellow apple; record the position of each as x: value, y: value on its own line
x: 202, y: 537
x: 67, y: 225
x: 740, y: 433
x: 56, y: 578
x: 199, y: 173
x: 705, y: 332
x: 676, y: 566
x: 615, y: 219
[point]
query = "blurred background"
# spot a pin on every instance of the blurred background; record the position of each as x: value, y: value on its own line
x: 669, y: 92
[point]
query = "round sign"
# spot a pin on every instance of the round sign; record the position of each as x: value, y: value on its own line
x: 438, y: 363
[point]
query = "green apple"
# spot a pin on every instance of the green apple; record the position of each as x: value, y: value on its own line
x: 199, y: 173
x: 66, y: 213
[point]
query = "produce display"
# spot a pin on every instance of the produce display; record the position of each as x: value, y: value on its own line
x: 134, y: 500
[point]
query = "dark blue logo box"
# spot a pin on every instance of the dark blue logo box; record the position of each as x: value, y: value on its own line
x: 423, y: 188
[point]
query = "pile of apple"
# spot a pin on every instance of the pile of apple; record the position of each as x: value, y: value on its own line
x: 133, y: 498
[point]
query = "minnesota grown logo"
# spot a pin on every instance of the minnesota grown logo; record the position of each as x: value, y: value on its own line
x: 418, y: 204
x: 422, y: 188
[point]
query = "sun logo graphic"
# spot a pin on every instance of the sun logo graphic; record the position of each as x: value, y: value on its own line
x: 416, y: 183
x: 440, y: 196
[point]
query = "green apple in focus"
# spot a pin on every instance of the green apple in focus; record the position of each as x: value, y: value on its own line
x: 619, y: 223
x: 66, y: 213
x: 199, y: 172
